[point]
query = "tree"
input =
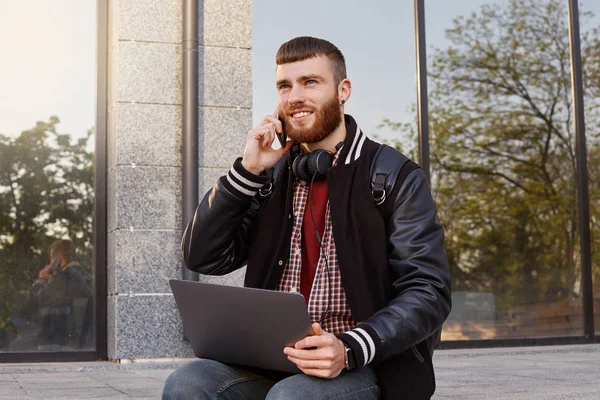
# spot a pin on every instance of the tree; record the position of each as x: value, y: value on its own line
x: 46, y: 193
x: 503, y: 151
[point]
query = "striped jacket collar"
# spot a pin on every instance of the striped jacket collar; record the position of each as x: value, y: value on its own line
x: 353, y: 144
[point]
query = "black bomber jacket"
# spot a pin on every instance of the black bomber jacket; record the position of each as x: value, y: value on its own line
x: 392, y: 259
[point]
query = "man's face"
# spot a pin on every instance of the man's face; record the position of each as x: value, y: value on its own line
x: 308, y: 100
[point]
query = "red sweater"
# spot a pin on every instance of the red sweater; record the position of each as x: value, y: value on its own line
x: 311, y: 249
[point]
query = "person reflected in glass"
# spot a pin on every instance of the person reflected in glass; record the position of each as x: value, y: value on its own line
x: 59, y: 303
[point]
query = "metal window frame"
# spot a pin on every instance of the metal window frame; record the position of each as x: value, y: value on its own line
x: 512, y: 342
x: 583, y: 211
x: 588, y: 335
x: 422, y: 94
x: 100, y: 306
x: 100, y: 236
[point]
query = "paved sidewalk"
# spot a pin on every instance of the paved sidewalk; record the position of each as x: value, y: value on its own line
x: 549, y: 373
x: 552, y: 372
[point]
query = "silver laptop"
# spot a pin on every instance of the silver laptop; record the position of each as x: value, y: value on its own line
x: 240, y: 325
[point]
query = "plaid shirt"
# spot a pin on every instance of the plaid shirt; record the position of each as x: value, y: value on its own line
x: 327, y: 303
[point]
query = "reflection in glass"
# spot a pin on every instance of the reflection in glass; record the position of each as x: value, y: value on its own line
x: 46, y: 176
x: 58, y: 309
x: 503, y: 168
x: 46, y: 227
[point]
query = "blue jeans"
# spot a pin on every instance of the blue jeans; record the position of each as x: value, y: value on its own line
x: 208, y: 379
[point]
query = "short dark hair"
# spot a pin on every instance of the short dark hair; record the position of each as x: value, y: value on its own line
x: 65, y: 247
x: 305, y: 47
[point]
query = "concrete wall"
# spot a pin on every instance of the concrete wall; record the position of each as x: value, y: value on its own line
x: 144, y: 155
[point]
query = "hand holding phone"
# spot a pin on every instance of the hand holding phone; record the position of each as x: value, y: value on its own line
x: 259, y: 156
x: 50, y: 269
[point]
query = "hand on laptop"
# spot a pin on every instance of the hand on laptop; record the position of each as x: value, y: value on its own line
x: 326, y: 357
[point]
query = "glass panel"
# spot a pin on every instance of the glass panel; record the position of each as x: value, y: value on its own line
x: 46, y: 175
x: 590, y: 58
x: 503, y: 166
x: 377, y: 43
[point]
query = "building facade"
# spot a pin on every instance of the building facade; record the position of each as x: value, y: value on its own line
x: 116, y: 120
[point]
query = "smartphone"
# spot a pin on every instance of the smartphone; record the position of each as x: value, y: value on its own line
x: 55, y: 265
x: 282, y: 137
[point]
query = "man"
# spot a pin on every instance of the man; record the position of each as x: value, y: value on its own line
x: 377, y: 287
x: 60, y: 301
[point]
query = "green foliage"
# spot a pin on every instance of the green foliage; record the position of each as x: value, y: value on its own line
x: 503, y: 151
x: 46, y: 193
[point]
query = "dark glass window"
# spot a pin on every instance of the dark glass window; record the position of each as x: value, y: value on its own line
x: 46, y: 175
x: 503, y: 166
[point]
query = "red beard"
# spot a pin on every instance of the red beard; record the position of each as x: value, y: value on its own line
x: 326, y: 120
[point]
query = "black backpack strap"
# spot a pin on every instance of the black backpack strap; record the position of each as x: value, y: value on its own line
x: 388, y: 169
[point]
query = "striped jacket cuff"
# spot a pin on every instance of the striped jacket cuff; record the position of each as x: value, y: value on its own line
x: 242, y: 183
x: 364, y: 342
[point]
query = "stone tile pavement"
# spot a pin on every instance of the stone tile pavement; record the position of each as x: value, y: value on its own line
x: 551, y: 372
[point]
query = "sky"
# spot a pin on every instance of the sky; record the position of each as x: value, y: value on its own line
x: 48, y: 55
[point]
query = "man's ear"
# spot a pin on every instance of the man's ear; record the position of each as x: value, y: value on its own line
x: 344, y: 90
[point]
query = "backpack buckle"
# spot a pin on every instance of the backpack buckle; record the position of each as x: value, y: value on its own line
x: 378, y: 191
x: 379, y: 196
